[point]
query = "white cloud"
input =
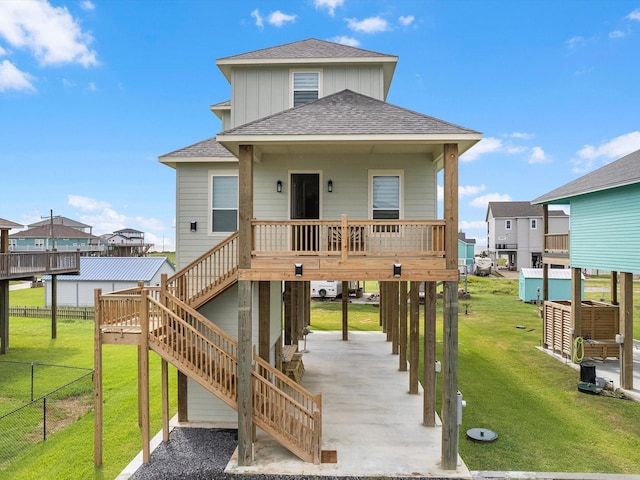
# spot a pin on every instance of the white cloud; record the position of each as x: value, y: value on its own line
x: 278, y: 19
x: 256, y: 14
x: 86, y: 204
x: 440, y: 193
x: 520, y: 135
x: 368, y: 25
x: 537, y: 155
x: 486, y: 145
x: 87, y: 6
x: 51, y: 34
x: 617, y: 34
x: 483, y: 201
x: 2, y: 52
x: 330, y: 5
x: 344, y: 40
x: 13, y: 79
x: 635, y: 15
x: 575, y: 42
x: 590, y: 156
x: 465, y: 226
x: 406, y: 21
x: 92, y: 87
x: 467, y: 190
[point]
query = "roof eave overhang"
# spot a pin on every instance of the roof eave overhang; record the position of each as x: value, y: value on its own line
x: 174, y: 161
x: 430, y: 141
x: 566, y: 199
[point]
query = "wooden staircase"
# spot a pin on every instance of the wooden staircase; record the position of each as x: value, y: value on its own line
x: 206, y: 354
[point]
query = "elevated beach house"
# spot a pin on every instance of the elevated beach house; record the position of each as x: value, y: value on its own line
x: 314, y: 176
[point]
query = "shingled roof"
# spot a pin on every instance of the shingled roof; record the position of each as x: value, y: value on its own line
x: 347, y: 113
x: 8, y: 224
x: 622, y: 172
x: 59, y: 231
x: 519, y: 210
x: 309, y: 48
x: 206, y: 150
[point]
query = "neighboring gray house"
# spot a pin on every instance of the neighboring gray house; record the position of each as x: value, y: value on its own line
x: 109, y: 274
x: 515, y: 232
x: 60, y: 220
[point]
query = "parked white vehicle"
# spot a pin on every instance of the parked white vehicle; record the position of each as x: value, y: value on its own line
x: 482, y: 266
x: 326, y: 289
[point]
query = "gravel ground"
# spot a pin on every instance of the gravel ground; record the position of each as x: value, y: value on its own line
x: 203, y: 453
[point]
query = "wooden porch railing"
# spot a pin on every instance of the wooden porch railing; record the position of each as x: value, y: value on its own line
x: 208, y: 274
x: 556, y: 243
x: 18, y: 264
x: 201, y: 350
x: 404, y: 238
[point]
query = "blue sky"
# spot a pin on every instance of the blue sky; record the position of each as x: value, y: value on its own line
x: 92, y: 92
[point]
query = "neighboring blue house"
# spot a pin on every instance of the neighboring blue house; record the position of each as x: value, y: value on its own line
x: 466, y: 251
x: 53, y: 237
x: 604, y: 235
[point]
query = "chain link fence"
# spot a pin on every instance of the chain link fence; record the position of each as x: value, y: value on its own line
x: 37, y: 400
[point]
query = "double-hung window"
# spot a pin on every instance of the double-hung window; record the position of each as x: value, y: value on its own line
x: 386, y: 197
x: 224, y: 203
x: 507, y: 224
x: 306, y: 87
x: 534, y: 224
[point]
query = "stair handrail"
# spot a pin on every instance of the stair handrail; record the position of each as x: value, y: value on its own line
x: 211, y: 269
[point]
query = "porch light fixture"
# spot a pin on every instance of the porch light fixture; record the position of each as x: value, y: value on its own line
x: 194, y: 226
x: 330, y: 186
x: 397, y: 269
x: 298, y: 270
x: 279, y: 186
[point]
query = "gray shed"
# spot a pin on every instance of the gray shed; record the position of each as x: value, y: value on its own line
x: 559, y: 284
x: 107, y: 273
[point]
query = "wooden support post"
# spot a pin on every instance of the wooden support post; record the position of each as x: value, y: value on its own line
x: 183, y: 408
x: 381, y: 305
x: 245, y: 392
x: 4, y: 316
x: 450, y: 313
x: 545, y: 265
x: 388, y: 309
x: 245, y: 350
x: 429, y: 382
x: 144, y: 377
x: 288, y: 311
x: 414, y: 336
x: 264, y: 319
x: 164, y: 379
x: 395, y: 317
x: 626, y: 328
x: 576, y: 302
x: 54, y: 306
x: 307, y: 304
x: 402, y: 332
x: 97, y: 381
x: 614, y: 288
x: 345, y: 311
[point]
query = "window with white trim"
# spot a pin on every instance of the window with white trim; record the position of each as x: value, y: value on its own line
x: 534, y: 224
x: 507, y: 224
x: 386, y: 196
x: 38, y: 243
x: 305, y: 87
x: 224, y: 203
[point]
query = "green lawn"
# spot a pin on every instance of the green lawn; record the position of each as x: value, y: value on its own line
x: 68, y: 453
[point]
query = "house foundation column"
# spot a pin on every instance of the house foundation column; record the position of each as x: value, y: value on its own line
x: 245, y: 314
x: 626, y: 329
x: 576, y: 302
x: 414, y: 336
x: 450, y: 313
x: 429, y: 399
